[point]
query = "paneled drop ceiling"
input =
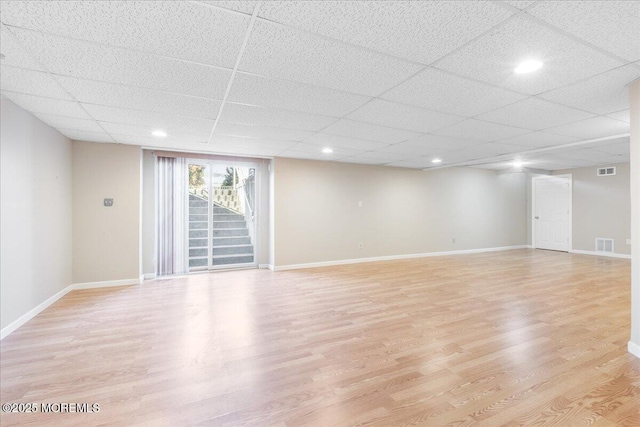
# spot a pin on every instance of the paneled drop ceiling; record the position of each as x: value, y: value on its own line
x: 379, y: 82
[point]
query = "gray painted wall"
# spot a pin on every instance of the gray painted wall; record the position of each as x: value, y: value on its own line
x: 601, y: 207
x: 405, y: 211
x: 106, y: 240
x: 35, y: 194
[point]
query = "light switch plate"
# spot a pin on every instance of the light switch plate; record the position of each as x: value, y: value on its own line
x: 108, y: 202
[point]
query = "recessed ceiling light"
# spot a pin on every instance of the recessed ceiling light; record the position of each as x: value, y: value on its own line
x: 436, y: 161
x: 159, y: 133
x: 528, y: 66
x: 327, y: 150
x: 517, y: 164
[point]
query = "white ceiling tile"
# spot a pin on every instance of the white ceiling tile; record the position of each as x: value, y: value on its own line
x: 14, y: 54
x: 238, y: 113
x: 499, y: 148
x: 583, y: 154
x: 316, y: 150
x: 538, y: 140
x: 596, y: 127
x: 548, y: 163
x: 480, y: 130
x: 520, y: 4
x: 266, y: 92
x: 418, y: 163
x: 493, y: 58
x: 409, y: 150
x: 79, y: 135
x: 242, y: 150
x: 611, y: 160
x: 439, y: 90
x: 361, y: 161
x: 174, y: 140
x: 369, y: 131
x: 401, y: 116
x: 442, y: 143
x: 73, y: 123
x: 91, y: 92
x: 384, y: 157
x: 414, y: 30
x: 38, y: 104
x: 610, y: 25
x: 535, y: 114
x: 293, y: 154
x: 176, y: 29
x: 31, y: 83
x: 481, y: 152
x: 334, y: 141
x: 238, y: 141
x: 602, y: 94
x: 149, y: 119
x: 244, y: 6
x: 619, y: 148
x: 624, y: 116
x: 492, y: 166
x: 261, y: 131
x: 97, y: 62
x: 124, y: 129
x: 286, y: 53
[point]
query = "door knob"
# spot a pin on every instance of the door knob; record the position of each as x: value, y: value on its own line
x: 537, y: 217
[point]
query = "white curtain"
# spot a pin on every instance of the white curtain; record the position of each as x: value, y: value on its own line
x: 172, y: 216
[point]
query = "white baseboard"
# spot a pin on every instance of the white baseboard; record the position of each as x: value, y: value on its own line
x: 634, y: 349
x: 46, y: 303
x: 394, y: 257
x: 607, y: 254
x: 265, y: 266
x: 105, y: 284
x: 149, y: 276
x: 33, y: 312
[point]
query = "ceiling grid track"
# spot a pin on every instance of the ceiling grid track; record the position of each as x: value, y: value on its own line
x: 54, y: 78
x: 405, y: 119
x: 506, y: 157
x: 235, y: 67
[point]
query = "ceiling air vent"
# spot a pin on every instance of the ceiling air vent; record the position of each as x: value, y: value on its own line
x: 604, y: 245
x: 607, y: 171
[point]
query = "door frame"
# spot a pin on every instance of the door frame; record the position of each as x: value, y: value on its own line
x: 534, y: 180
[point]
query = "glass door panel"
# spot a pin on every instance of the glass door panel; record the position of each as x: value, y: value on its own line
x: 199, y: 216
x: 233, y: 207
x: 222, y: 215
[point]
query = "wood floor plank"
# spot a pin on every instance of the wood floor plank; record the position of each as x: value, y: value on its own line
x: 516, y: 338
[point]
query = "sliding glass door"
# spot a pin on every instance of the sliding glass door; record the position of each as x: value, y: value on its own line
x: 222, y: 215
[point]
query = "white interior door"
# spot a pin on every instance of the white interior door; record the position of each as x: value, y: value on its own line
x: 552, y: 213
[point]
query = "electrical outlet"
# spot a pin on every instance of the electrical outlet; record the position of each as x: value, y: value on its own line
x: 453, y: 240
x: 359, y: 203
x: 360, y: 245
x: 628, y: 241
x: 108, y: 202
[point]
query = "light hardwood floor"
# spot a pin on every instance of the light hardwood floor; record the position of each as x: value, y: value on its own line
x: 506, y: 338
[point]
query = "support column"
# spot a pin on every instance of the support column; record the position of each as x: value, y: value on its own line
x: 634, y: 101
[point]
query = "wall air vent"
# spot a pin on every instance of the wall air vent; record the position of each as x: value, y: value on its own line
x: 607, y: 171
x: 604, y: 245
